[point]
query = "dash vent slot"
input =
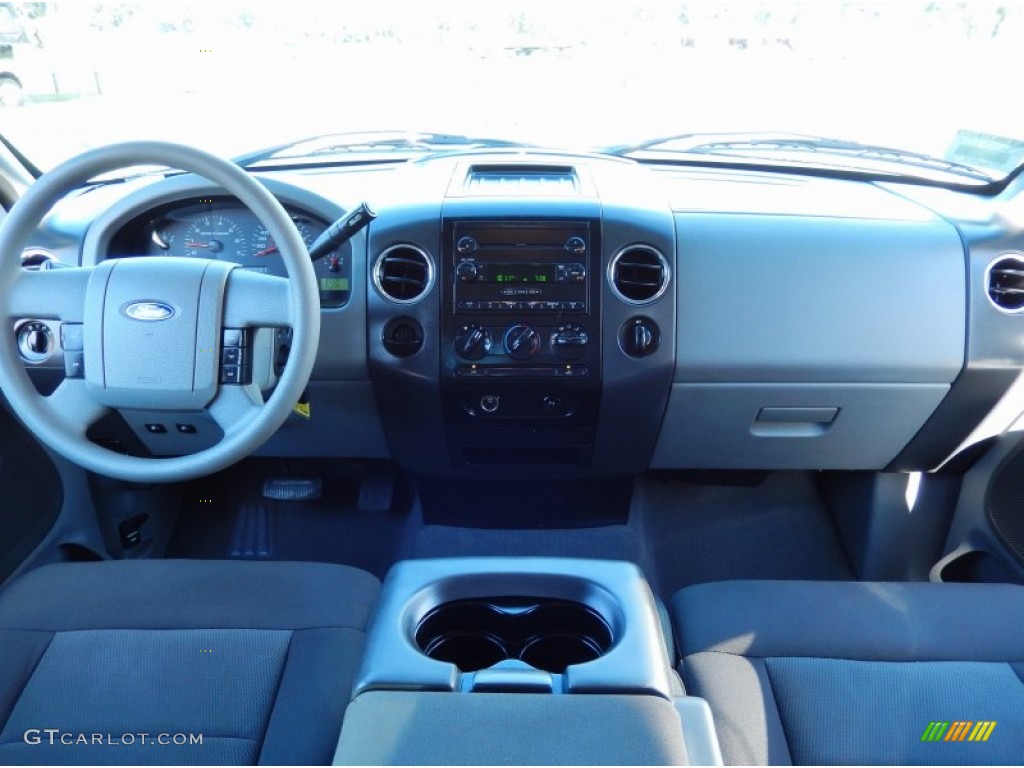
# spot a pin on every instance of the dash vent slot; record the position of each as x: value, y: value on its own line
x: 403, y: 273
x: 639, y: 274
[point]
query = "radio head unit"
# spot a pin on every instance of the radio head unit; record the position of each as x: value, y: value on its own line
x: 529, y: 267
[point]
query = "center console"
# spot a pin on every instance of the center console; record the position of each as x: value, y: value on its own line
x: 520, y: 340
x: 520, y: 661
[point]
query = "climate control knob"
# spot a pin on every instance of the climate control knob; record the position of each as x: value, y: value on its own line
x: 472, y: 342
x: 569, y: 341
x: 521, y: 342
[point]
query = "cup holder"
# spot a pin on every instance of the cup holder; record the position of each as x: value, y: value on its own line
x: 546, y: 634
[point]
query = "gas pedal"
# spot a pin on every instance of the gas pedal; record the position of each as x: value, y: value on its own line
x: 377, y: 490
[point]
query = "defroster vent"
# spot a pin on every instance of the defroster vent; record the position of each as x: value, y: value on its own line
x: 403, y: 273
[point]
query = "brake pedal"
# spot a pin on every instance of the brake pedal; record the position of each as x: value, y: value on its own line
x: 293, y: 488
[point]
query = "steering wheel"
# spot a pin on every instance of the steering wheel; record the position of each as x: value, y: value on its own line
x: 152, y: 327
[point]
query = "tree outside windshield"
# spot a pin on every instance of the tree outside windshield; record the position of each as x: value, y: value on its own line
x: 232, y: 77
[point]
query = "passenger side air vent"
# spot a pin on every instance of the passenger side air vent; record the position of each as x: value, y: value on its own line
x: 1004, y: 283
x: 403, y: 273
x: 638, y: 274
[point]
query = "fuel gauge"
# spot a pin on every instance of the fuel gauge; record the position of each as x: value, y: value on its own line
x: 334, y: 277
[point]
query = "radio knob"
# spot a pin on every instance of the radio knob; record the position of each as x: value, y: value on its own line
x: 467, y: 245
x: 576, y: 245
x: 521, y: 342
x: 472, y: 342
x: 467, y: 271
x: 569, y: 341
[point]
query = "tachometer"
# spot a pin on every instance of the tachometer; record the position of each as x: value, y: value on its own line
x: 215, y: 236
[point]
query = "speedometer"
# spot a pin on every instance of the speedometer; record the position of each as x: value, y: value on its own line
x: 333, y: 271
x: 215, y: 236
x: 263, y: 242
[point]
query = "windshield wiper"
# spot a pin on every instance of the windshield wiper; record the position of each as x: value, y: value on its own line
x: 371, y: 142
x: 755, y: 146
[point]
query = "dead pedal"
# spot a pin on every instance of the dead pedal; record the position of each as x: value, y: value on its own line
x: 251, y: 536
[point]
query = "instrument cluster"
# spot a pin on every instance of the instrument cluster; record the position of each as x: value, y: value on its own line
x: 224, y: 230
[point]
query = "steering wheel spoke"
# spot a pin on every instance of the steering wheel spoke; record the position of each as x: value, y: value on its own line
x: 234, y: 406
x: 73, y: 408
x: 57, y: 294
x: 253, y: 299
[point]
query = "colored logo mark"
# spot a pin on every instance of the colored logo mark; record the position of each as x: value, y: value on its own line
x: 958, y: 730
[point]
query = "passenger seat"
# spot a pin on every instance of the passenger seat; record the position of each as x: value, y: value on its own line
x: 830, y: 673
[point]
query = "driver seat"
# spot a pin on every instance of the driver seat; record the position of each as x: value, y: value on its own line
x: 110, y: 662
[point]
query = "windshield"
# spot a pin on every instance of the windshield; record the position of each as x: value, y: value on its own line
x: 929, y: 78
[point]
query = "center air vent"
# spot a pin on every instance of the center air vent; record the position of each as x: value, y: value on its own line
x: 403, y: 273
x: 638, y: 274
x: 1004, y: 283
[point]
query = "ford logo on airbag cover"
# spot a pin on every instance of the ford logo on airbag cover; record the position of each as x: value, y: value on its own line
x: 149, y: 311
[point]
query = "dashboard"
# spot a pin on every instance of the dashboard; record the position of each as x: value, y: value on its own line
x: 547, y: 314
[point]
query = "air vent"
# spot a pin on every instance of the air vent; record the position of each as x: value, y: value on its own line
x: 403, y: 337
x: 638, y: 274
x: 35, y: 259
x: 403, y: 273
x: 1004, y: 283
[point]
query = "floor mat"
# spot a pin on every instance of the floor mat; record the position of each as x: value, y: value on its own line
x: 678, y: 533
x: 778, y: 529
x: 226, y: 516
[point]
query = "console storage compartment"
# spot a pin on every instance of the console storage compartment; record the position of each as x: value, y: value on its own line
x: 410, y: 728
x: 520, y: 661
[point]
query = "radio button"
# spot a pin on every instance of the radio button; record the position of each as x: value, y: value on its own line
x: 467, y: 245
x: 576, y: 245
x: 467, y: 271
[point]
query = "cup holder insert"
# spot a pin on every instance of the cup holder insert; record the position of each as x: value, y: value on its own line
x: 546, y: 634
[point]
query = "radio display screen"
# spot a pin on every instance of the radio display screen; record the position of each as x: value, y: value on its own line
x: 520, y: 273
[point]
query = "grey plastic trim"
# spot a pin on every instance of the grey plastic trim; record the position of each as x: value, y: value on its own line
x: 1019, y: 258
x: 431, y: 273
x: 716, y: 426
x: 35, y: 251
x: 639, y: 247
x: 636, y: 663
x: 699, y: 732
